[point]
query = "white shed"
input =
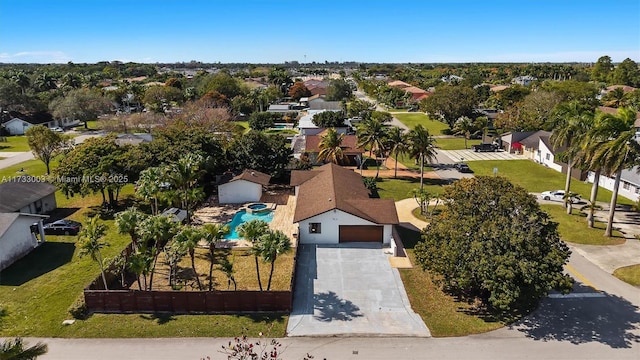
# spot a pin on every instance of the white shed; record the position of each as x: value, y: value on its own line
x: 18, y: 236
x: 246, y: 187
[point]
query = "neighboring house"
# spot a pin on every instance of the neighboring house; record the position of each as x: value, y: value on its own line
x: 175, y: 215
x: 452, y: 79
x: 307, y: 127
x: 319, y: 103
x: 17, y: 123
x: 279, y: 108
x: 497, y: 88
x: 133, y: 139
x: 417, y: 94
x: 246, y: 187
x: 629, y: 183
x: 316, y: 86
x: 19, y: 234
x: 523, y: 80
x: 349, y: 148
x: 511, y: 141
x: 333, y: 206
x: 399, y: 84
x: 26, y: 194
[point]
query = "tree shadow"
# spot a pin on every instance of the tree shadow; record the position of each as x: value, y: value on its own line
x: 45, y: 258
x: 61, y: 213
x: 582, y: 317
x: 331, y: 308
x: 409, y: 236
x: 264, y: 318
x: 159, y: 318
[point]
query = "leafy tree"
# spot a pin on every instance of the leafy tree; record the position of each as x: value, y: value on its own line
x: 618, y: 150
x: 511, y: 95
x: 263, y: 120
x: 298, y: 90
x: 451, y: 102
x: 602, y: 69
x: 627, y: 73
x: 422, y: 146
x: 280, y: 78
x: 493, y: 242
x: 331, y: 147
x: 213, y: 234
x: 359, y: 107
x: 397, y: 144
x: 45, y: 143
x: 160, y: 98
x: 14, y: 349
x: 188, y: 238
x: 82, y: 104
x: 572, y: 90
x: 11, y: 97
x: 222, y: 83
x: 531, y: 114
x: 92, y: 244
x: 269, y: 154
x: 327, y: 119
x: 252, y: 231
x: 338, y: 90
x: 269, y: 246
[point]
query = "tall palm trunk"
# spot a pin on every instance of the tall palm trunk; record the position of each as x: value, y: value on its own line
x: 593, y: 197
x: 211, y: 259
x: 271, y: 274
x: 104, y: 278
x: 421, y: 172
x: 258, y: 272
x: 192, y: 254
x: 567, y: 184
x: 612, y: 206
x: 395, y: 174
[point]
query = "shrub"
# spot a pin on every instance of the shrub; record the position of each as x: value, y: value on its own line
x: 79, y: 308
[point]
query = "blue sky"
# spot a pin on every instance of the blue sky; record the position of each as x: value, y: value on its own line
x: 323, y: 30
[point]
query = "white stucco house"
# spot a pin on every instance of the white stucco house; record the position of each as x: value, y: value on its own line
x: 246, y: 187
x: 629, y: 183
x: 19, y: 234
x: 19, y: 123
x: 333, y: 206
x: 28, y: 195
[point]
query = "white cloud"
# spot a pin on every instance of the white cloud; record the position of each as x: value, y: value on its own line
x: 42, y: 57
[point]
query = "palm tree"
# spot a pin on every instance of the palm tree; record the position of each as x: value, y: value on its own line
x: 91, y: 245
x: 269, y: 246
x: 591, y: 207
x: 139, y: 263
x: 397, y: 144
x: 188, y: 238
x: 15, y: 350
x: 184, y: 175
x: 331, y: 147
x: 252, y: 231
x: 213, y: 234
x: 226, y: 267
x: 149, y: 186
x: 128, y: 221
x: 620, y: 151
x: 421, y: 146
x: 155, y: 232
x: 173, y: 254
x: 463, y: 126
x: 570, y: 131
x: 372, y: 133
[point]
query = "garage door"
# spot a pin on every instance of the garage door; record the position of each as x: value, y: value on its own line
x: 361, y: 233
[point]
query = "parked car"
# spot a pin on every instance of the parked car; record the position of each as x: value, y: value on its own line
x: 558, y: 195
x: 57, y: 129
x: 484, y: 147
x: 462, y: 167
x: 62, y: 227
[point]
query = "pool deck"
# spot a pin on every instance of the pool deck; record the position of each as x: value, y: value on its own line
x: 223, y: 213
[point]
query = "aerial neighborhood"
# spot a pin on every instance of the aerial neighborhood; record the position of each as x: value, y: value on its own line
x: 333, y: 199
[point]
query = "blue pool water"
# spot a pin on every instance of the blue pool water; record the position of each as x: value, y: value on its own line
x: 242, y: 217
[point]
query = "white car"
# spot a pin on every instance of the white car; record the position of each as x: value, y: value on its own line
x: 57, y: 129
x: 558, y: 195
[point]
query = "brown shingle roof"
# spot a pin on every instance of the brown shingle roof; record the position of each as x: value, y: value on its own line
x: 254, y: 177
x: 399, y: 84
x: 611, y: 110
x: 334, y: 187
x: 22, y: 191
x: 349, y: 144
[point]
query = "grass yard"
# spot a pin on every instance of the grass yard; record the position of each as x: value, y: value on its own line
x: 37, y: 291
x: 455, y: 143
x: 398, y: 189
x: 443, y: 315
x: 411, y: 120
x: 629, y: 274
x: 573, y: 228
x: 31, y: 167
x: 14, y: 144
x: 537, y: 178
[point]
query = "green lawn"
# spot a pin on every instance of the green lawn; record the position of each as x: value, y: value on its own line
x: 537, y: 178
x: 14, y: 144
x: 455, y: 143
x: 573, y: 228
x: 31, y: 167
x: 411, y: 120
x: 443, y: 314
x: 36, y: 292
x: 398, y: 189
x: 629, y: 274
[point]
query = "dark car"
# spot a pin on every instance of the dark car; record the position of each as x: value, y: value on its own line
x: 462, y: 167
x: 484, y: 147
x: 62, y: 227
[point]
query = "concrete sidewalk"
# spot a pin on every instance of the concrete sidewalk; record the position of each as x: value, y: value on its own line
x: 13, y: 158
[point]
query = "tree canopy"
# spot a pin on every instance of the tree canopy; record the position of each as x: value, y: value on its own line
x: 338, y: 90
x: 451, y: 102
x: 327, y: 119
x: 493, y: 242
x: 269, y: 154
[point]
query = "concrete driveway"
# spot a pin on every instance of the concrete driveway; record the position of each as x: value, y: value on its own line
x: 350, y: 290
x: 470, y: 155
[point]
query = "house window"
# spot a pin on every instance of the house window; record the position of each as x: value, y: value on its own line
x: 638, y: 190
x: 314, y: 228
x: 626, y: 185
x: 548, y: 156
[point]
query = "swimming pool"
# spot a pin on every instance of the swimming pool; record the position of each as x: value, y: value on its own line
x: 242, y: 217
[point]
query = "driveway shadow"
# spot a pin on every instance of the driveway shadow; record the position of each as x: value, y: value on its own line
x: 610, y: 320
x: 306, y: 273
x: 46, y: 257
x: 331, y: 307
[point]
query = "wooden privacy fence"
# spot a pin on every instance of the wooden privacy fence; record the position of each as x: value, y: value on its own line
x: 186, y: 302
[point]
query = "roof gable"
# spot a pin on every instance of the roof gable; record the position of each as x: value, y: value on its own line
x: 22, y: 191
x: 253, y: 176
